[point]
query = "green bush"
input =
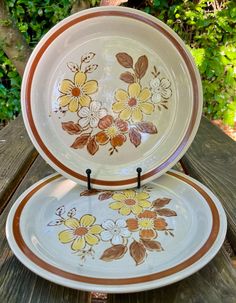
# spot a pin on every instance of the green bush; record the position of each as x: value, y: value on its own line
x: 210, y: 34
x: 9, y: 89
x: 207, y: 27
x: 34, y: 19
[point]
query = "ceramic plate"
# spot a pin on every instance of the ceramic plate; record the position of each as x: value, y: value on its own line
x: 111, y: 89
x: 116, y: 241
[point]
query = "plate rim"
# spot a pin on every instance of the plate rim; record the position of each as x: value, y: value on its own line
x: 68, y: 171
x: 210, y: 248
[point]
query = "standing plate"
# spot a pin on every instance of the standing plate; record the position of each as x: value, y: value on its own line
x: 116, y: 241
x: 111, y: 90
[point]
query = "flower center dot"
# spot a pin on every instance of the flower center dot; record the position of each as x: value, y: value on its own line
x: 116, y: 231
x: 146, y: 223
x: 75, y: 92
x: 81, y: 231
x: 111, y: 131
x: 132, y: 102
x: 130, y: 202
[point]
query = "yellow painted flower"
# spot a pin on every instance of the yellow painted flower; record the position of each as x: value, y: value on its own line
x: 77, y: 93
x: 129, y: 201
x: 80, y: 232
x: 134, y: 103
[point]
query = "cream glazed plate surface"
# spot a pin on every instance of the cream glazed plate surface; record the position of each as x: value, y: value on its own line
x: 111, y: 89
x: 116, y: 241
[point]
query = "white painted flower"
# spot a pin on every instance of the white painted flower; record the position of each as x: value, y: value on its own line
x: 115, y: 231
x: 160, y: 89
x: 91, y: 115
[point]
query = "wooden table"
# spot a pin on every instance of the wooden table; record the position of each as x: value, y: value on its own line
x: 211, y: 159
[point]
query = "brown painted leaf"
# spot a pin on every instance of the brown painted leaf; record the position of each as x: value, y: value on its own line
x: 90, y: 192
x: 141, y: 66
x: 80, y: 141
x: 106, y: 195
x: 135, y: 137
x: 92, y: 146
x: 152, y: 245
x: 158, y: 203
x: 125, y: 60
x: 137, y: 252
x: 127, y: 77
x: 114, y: 252
x: 146, y: 127
x: 166, y: 212
x: 71, y: 128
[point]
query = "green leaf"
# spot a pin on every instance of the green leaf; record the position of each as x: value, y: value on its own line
x: 199, y: 56
x: 156, y: 3
x: 229, y: 117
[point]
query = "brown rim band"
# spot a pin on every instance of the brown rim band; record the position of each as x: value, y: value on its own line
x: 119, y: 281
x: 35, y: 63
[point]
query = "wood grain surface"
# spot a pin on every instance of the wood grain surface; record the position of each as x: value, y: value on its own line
x: 16, y: 155
x: 211, y: 159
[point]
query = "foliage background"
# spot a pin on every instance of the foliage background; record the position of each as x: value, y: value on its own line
x: 207, y: 27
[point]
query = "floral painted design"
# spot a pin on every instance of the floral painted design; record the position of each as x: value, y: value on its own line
x: 90, y: 116
x: 147, y: 223
x: 113, y: 131
x: 115, y: 232
x: 133, y: 104
x: 160, y: 89
x: 77, y: 93
x: 136, y: 231
x: 80, y: 232
x: 130, y: 115
x: 130, y: 201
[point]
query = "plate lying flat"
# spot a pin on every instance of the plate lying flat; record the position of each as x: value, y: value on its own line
x: 119, y: 241
x: 111, y: 89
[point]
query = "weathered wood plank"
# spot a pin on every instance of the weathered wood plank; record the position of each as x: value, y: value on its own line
x: 211, y: 159
x: 17, y: 283
x: 16, y: 155
x: 214, y: 283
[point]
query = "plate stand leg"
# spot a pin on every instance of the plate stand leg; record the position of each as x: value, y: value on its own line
x: 139, y: 170
x: 88, y: 172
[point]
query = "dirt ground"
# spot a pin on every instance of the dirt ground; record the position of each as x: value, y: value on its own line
x: 230, y: 131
